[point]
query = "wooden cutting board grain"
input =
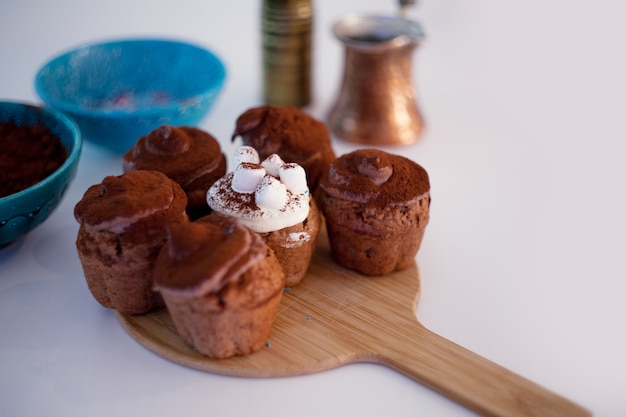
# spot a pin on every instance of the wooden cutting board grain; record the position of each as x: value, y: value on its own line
x: 336, y: 316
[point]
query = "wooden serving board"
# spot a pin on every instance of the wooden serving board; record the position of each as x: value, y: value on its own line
x: 336, y: 316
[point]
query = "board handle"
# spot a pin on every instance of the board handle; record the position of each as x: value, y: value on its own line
x: 470, y: 379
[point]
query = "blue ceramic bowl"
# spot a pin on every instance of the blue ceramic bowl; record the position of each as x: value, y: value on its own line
x: 119, y: 91
x: 23, y: 211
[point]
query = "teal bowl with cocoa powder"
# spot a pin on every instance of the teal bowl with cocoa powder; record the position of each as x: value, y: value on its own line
x: 24, y: 128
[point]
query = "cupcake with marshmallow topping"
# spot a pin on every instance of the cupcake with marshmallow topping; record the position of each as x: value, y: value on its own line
x: 272, y: 198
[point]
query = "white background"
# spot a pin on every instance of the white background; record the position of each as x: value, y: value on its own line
x: 522, y: 262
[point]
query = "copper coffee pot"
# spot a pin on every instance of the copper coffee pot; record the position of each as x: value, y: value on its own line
x: 377, y: 101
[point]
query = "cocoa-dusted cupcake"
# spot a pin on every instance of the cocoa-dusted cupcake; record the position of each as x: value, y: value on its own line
x: 122, y: 228
x: 290, y: 133
x: 189, y: 156
x: 271, y: 198
x: 376, y: 207
x: 222, y: 285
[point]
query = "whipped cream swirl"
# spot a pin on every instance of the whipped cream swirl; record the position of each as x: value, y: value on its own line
x: 266, y: 195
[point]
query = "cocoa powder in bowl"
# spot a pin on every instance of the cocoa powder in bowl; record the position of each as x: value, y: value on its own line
x: 28, y: 154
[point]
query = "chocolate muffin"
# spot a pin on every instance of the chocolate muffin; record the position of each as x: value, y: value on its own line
x: 122, y: 228
x: 222, y: 285
x: 376, y: 207
x: 290, y: 133
x: 189, y: 156
x: 271, y: 198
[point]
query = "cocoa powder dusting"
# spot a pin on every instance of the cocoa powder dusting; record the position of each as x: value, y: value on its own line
x: 28, y: 155
x: 149, y: 195
x: 289, y: 132
x: 377, y: 177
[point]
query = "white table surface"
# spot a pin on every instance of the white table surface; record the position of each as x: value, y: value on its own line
x: 522, y: 262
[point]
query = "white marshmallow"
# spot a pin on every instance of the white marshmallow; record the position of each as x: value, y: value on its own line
x: 246, y: 177
x: 245, y: 154
x: 294, y: 177
x: 272, y: 164
x: 271, y: 193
